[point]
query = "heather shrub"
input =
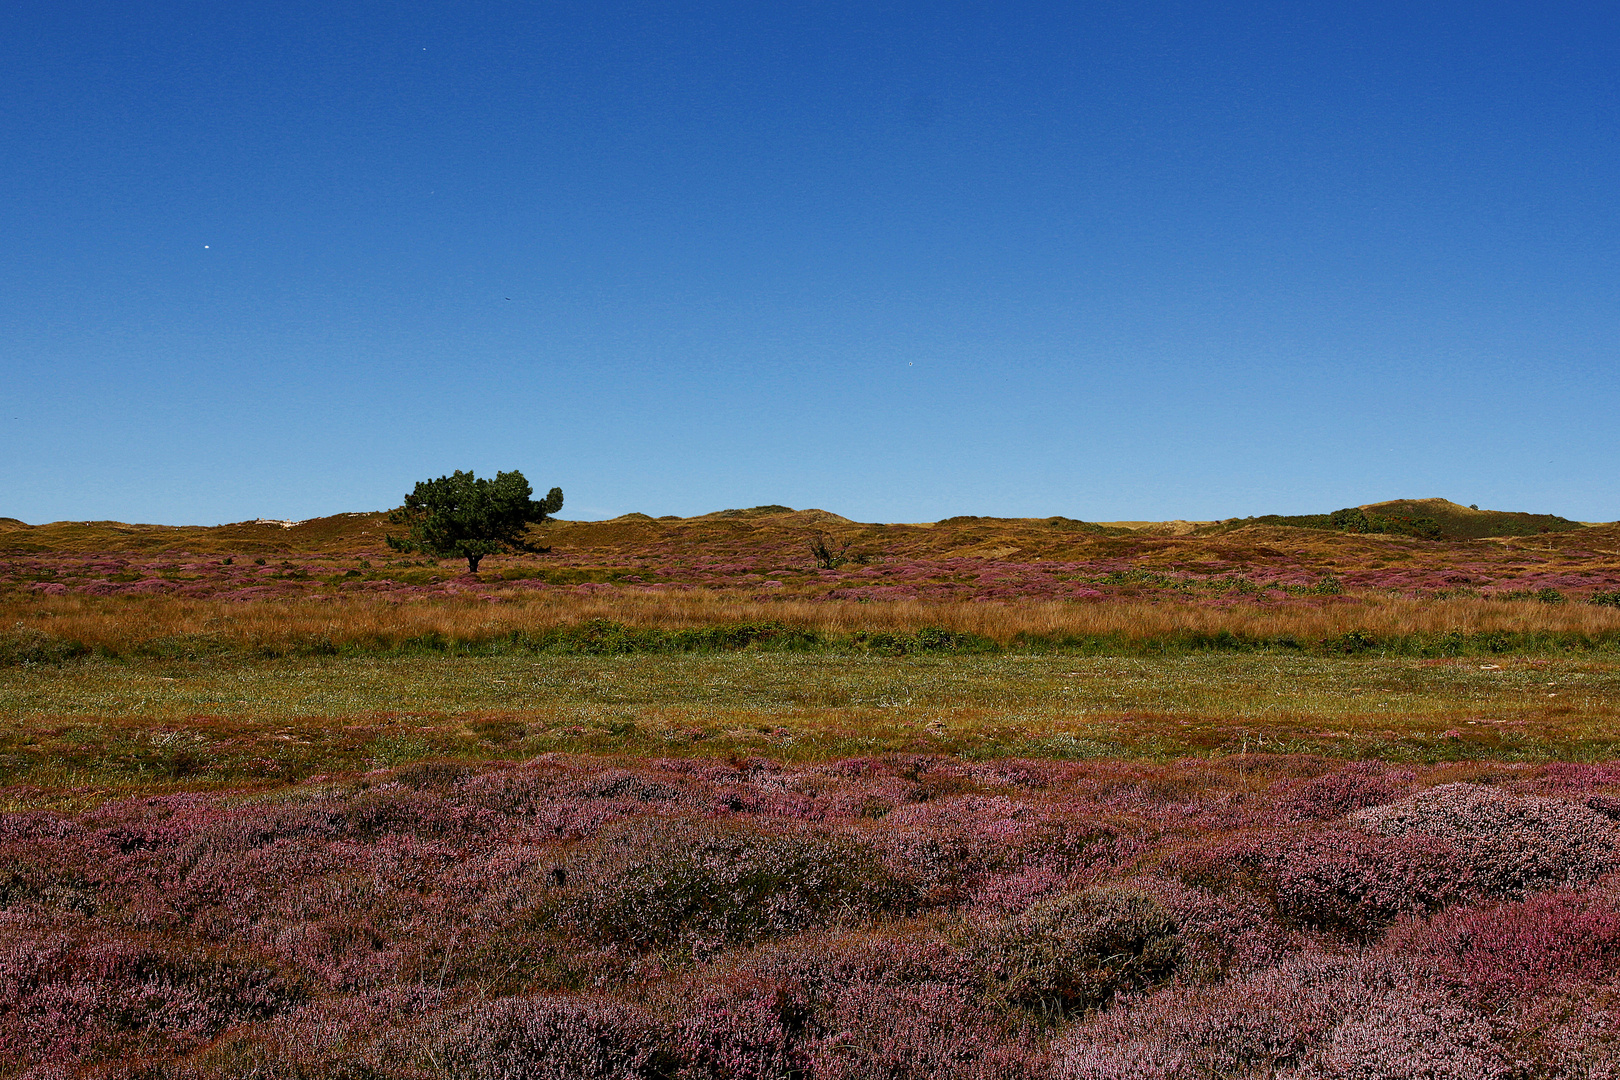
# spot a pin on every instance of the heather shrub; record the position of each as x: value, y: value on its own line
x: 1607, y: 805
x: 919, y: 1032
x: 39, y: 826
x: 680, y: 883
x: 1353, y: 787
x: 77, y: 991
x: 1240, y: 862
x: 748, y: 1027
x: 1410, y: 1032
x: 30, y: 877
x: 627, y: 785
x: 770, y: 800
x: 896, y: 1002
x: 345, y: 1038
x: 1512, y: 844
x: 545, y: 1037
x: 1577, y: 776
x: 507, y: 791
x: 1220, y: 934
x: 1503, y: 953
x: 1574, y: 1035
x: 1343, y: 881
x: 431, y: 775
x: 1257, y: 1024
x: 1075, y: 951
x: 240, y: 1056
x: 940, y: 846
x: 1030, y: 773
x: 164, y: 842
x: 944, y: 848
x: 1355, y: 884
x: 871, y: 799
x: 999, y: 895
x: 400, y: 809
x: 901, y: 953
x: 928, y: 926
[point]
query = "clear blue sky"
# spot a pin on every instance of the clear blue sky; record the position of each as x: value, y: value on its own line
x: 899, y: 261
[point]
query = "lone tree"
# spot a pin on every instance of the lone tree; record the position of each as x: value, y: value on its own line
x: 462, y: 516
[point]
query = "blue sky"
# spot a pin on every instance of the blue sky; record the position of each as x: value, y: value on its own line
x: 898, y: 261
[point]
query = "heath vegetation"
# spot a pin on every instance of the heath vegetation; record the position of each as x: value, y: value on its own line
x: 898, y: 916
x: 771, y: 794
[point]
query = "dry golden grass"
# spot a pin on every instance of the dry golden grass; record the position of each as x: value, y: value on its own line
x: 120, y: 623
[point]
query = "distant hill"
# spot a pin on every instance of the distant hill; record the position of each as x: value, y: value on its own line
x: 1430, y: 519
x: 787, y: 531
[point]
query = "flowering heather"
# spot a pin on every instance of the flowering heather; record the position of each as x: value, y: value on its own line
x: 889, y: 916
x: 1511, y: 843
x: 544, y: 1037
x: 1354, y: 787
x: 1259, y: 578
x: 1343, y: 881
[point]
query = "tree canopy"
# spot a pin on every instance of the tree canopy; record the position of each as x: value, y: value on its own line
x: 462, y: 516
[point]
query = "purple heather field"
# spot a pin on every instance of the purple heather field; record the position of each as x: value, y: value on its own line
x: 905, y: 916
x: 764, y: 577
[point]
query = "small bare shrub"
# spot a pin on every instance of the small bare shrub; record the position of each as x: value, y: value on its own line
x: 547, y: 1037
x: 699, y: 885
x: 1075, y: 951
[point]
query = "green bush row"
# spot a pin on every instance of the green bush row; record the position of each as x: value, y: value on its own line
x: 605, y: 638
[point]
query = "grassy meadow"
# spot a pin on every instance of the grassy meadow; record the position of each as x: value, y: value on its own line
x: 100, y: 725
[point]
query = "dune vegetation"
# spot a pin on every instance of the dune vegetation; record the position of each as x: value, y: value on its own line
x: 772, y: 794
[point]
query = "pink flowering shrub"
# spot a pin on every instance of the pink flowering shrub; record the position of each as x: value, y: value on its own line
x: 918, y: 1032
x: 944, y: 848
x: 74, y: 990
x: 1259, y: 1024
x: 345, y: 1038
x: 1574, y: 1033
x: 1220, y: 934
x: 862, y: 1004
x: 748, y: 1027
x: 1354, y: 787
x: 1511, y: 843
x: 545, y: 1037
x: 1344, y: 881
x: 1410, y: 1032
x: 1507, y: 952
x: 897, y: 916
x: 1356, y: 884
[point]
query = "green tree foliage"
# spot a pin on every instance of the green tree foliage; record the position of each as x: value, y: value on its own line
x: 1355, y: 520
x: 464, y: 517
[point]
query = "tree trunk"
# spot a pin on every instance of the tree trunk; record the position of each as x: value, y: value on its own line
x: 472, y: 563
